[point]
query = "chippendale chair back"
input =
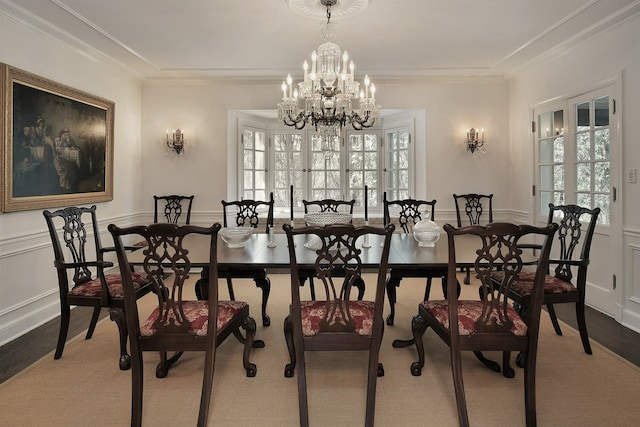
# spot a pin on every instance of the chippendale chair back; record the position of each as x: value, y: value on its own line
x: 337, y: 321
x: 409, y: 212
x: 473, y: 208
x: 247, y: 212
x: 173, y: 209
x: 328, y: 205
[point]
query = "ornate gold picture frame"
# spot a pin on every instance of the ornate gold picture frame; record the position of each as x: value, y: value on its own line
x: 57, y: 144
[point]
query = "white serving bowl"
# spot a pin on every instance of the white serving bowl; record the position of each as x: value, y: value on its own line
x: 426, y: 233
x: 236, y: 237
x: 324, y: 218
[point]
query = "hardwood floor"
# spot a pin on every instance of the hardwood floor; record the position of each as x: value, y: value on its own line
x: 29, y: 348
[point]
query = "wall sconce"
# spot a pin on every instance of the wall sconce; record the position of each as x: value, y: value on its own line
x: 475, y: 141
x: 176, y: 143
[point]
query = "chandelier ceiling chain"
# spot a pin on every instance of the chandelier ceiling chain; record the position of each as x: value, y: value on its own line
x: 328, y: 95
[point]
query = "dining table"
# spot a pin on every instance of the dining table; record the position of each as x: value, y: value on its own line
x: 405, y: 256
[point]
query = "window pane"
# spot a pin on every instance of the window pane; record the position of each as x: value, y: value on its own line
x: 356, y: 161
x: 248, y: 159
x: 260, y: 163
x: 545, y: 152
x: 583, y: 172
x: 601, y: 111
x: 280, y: 179
x: 558, y: 149
x: 601, y: 146
x: 558, y: 198
x: 355, y: 179
x: 371, y: 142
x: 546, y: 197
x: 558, y: 177
x: 317, y: 180
x: 584, y: 199
x: 583, y: 146
x: 602, y: 201
x: 260, y: 137
x: 247, y: 138
x: 545, y: 125
x: 582, y: 116
x: 355, y: 142
x: 248, y: 179
x: 261, y: 183
x: 333, y: 179
x: 546, y: 177
x: 601, y: 178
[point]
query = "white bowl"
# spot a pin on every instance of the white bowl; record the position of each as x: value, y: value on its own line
x: 426, y: 233
x: 236, y: 237
x: 324, y: 218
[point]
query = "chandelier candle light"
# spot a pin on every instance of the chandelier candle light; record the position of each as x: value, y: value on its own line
x: 328, y: 93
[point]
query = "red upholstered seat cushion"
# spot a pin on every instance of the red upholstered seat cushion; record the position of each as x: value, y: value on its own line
x: 93, y: 288
x: 196, y: 312
x: 312, y: 313
x: 524, y: 285
x: 468, y: 313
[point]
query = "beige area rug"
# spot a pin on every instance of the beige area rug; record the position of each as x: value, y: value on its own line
x: 85, y: 387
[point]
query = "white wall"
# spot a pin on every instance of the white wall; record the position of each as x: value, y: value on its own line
x: 28, y: 284
x: 570, y: 73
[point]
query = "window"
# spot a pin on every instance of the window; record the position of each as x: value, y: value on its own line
x: 339, y: 169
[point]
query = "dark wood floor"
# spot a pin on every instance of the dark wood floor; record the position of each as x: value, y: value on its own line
x: 38, y: 343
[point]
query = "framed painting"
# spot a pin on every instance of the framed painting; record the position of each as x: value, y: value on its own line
x: 57, y: 144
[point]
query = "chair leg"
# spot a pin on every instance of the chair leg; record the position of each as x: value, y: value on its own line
x: 265, y: 285
x: 507, y: 370
x: 554, y: 319
x: 359, y: 283
x: 427, y: 290
x: 65, y: 316
x: 232, y: 296
x: 249, y: 326
x: 530, y: 389
x: 418, y: 328
x: 94, y: 321
x: 290, y: 368
x: 392, y: 284
x: 312, y: 289
x: 137, y: 378
x: 582, y: 327
x: 207, y: 382
x: 117, y: 315
x: 303, y: 404
x: 467, y: 278
x: 374, y: 371
x: 458, y: 385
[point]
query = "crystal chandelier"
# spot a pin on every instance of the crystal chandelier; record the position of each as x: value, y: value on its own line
x: 328, y: 95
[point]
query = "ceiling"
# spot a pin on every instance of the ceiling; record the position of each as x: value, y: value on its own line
x: 267, y: 39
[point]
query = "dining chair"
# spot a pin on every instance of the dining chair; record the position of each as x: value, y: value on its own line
x: 475, y: 209
x: 327, y: 205
x: 336, y: 322
x: 174, y: 209
x: 255, y: 214
x: 82, y: 279
x: 407, y: 213
x: 568, y: 283
x: 177, y: 323
x: 489, y: 323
